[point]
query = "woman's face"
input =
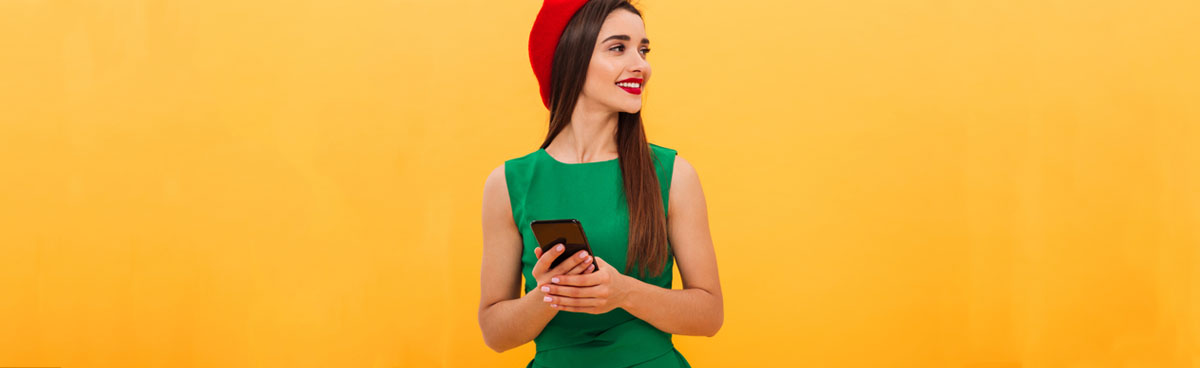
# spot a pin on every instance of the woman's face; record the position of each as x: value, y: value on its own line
x: 618, y: 71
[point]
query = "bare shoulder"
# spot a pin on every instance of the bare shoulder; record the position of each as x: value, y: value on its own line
x: 496, y: 179
x: 495, y: 194
x: 683, y: 168
x: 685, y: 186
x: 684, y: 175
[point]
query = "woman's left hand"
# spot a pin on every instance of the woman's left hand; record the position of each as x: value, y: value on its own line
x: 597, y: 292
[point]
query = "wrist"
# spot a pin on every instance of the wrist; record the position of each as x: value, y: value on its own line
x: 537, y: 297
x: 631, y: 291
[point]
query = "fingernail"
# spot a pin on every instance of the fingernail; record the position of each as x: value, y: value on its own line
x: 560, y: 248
x: 554, y: 280
x: 583, y: 254
x: 546, y: 289
x: 554, y: 305
x: 546, y: 299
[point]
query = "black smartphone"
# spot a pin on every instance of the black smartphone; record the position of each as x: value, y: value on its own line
x: 569, y: 232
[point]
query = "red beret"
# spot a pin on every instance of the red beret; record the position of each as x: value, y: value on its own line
x: 543, y: 39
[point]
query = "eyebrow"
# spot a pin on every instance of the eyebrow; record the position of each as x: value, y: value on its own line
x: 624, y: 38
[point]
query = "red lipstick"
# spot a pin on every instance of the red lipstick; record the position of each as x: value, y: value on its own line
x: 636, y: 88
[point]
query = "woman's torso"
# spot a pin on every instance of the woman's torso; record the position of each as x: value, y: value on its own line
x: 543, y: 188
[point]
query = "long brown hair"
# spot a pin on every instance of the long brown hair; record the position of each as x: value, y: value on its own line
x: 647, y: 219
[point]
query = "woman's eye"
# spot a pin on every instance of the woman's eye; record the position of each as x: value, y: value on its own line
x: 618, y: 48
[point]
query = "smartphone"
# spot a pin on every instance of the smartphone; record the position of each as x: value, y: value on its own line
x: 569, y: 232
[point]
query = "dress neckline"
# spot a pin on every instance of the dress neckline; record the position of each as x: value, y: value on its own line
x: 554, y: 160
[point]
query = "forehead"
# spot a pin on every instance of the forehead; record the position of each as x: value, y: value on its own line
x: 623, y: 22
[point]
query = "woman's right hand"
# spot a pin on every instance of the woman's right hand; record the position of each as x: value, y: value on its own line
x: 579, y: 263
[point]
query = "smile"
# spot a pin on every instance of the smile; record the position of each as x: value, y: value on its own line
x: 632, y: 85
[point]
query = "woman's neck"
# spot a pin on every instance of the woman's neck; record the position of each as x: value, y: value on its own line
x: 589, y: 137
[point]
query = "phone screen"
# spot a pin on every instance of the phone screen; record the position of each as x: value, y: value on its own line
x: 569, y: 232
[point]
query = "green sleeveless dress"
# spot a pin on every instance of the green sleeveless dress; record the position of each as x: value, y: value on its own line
x: 543, y: 188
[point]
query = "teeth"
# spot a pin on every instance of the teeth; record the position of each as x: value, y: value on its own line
x: 630, y: 85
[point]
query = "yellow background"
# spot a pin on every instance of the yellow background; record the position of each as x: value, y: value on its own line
x: 274, y: 183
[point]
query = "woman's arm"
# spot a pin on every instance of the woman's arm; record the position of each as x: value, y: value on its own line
x: 697, y: 309
x: 507, y: 319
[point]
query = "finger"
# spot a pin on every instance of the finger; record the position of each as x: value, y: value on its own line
x: 595, y: 266
x: 543, y: 263
x: 537, y: 252
x: 581, y: 267
x: 592, y: 310
x: 571, y: 291
x: 587, y: 279
x: 568, y: 264
x: 575, y: 302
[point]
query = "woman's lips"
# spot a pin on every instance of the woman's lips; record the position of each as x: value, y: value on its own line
x: 638, y: 82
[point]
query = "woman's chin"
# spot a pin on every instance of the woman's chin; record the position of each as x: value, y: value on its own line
x: 632, y: 108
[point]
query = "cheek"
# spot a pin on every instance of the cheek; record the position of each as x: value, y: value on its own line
x: 601, y: 75
x: 596, y: 81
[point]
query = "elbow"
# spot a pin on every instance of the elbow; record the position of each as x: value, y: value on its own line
x: 712, y: 330
x: 716, y: 323
x: 716, y: 315
x: 495, y: 346
x: 489, y: 339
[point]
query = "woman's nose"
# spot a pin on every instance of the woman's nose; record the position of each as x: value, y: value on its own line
x: 639, y: 65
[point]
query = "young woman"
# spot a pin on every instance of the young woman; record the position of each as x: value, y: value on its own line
x: 641, y: 207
